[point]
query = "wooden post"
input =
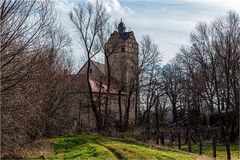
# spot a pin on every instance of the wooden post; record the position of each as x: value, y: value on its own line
x: 170, y: 138
x: 200, y: 144
x: 228, y: 147
x: 179, y: 140
x: 158, y: 134
x: 162, y: 138
x: 214, y: 146
x: 189, y: 142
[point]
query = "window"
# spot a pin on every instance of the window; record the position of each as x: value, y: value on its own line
x: 123, y: 49
x: 90, y: 71
x: 75, y: 124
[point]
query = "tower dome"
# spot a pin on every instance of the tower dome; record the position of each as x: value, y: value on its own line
x: 121, y: 27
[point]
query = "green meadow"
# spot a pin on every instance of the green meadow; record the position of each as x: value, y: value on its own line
x: 99, y: 147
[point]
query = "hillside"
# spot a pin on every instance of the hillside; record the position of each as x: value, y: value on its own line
x: 99, y: 147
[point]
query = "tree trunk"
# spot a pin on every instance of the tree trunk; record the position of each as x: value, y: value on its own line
x: 92, y: 104
x: 126, y: 116
x: 136, y: 107
x: 174, y: 109
x: 148, y: 124
x: 120, y: 109
x: 106, y: 117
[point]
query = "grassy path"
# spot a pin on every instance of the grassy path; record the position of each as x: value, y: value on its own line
x: 99, y: 147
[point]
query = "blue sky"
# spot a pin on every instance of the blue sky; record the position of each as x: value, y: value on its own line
x: 168, y: 22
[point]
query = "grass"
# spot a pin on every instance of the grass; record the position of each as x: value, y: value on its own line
x: 99, y: 147
x: 220, y: 149
x: 41, y: 147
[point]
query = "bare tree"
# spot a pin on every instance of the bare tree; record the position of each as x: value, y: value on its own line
x: 149, y: 72
x: 17, y: 25
x: 215, y: 51
x: 30, y: 47
x: 89, y: 19
x: 172, y: 75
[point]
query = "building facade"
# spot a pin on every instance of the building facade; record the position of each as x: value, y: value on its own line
x: 122, y: 66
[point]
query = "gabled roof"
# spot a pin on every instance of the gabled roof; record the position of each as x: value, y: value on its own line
x: 80, y: 84
x: 99, y: 66
x: 124, y: 36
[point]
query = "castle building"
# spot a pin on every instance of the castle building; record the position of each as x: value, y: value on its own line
x: 122, y: 49
x: 122, y: 66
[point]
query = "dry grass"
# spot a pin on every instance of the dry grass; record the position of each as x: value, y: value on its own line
x: 39, y: 149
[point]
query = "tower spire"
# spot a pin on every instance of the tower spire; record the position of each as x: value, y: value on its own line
x: 121, y: 27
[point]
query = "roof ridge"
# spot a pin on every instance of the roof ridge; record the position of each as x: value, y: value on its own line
x: 97, y: 62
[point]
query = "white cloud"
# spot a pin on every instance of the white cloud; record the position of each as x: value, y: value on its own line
x: 224, y: 4
x: 169, y: 22
x: 64, y: 6
x: 114, y: 7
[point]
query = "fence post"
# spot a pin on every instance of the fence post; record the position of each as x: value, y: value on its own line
x: 179, y: 140
x: 189, y: 142
x: 162, y: 138
x: 158, y: 137
x: 228, y: 147
x: 170, y: 138
x: 214, y: 147
x: 201, y: 144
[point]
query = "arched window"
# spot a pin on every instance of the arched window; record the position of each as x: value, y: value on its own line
x: 75, y: 124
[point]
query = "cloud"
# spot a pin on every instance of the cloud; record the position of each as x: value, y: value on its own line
x: 64, y: 6
x: 169, y: 22
x: 224, y: 4
x: 114, y: 7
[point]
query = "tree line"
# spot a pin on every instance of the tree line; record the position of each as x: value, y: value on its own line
x: 202, y: 82
x: 35, y: 62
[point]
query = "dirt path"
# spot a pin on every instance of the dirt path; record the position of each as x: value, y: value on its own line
x: 198, y: 157
x: 117, y: 155
x: 203, y: 157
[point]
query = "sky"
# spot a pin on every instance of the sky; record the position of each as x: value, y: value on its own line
x: 168, y: 22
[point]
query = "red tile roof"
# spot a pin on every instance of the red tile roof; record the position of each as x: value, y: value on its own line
x: 99, y: 66
x: 79, y: 84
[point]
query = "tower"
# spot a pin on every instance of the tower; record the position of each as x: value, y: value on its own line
x: 122, y: 49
